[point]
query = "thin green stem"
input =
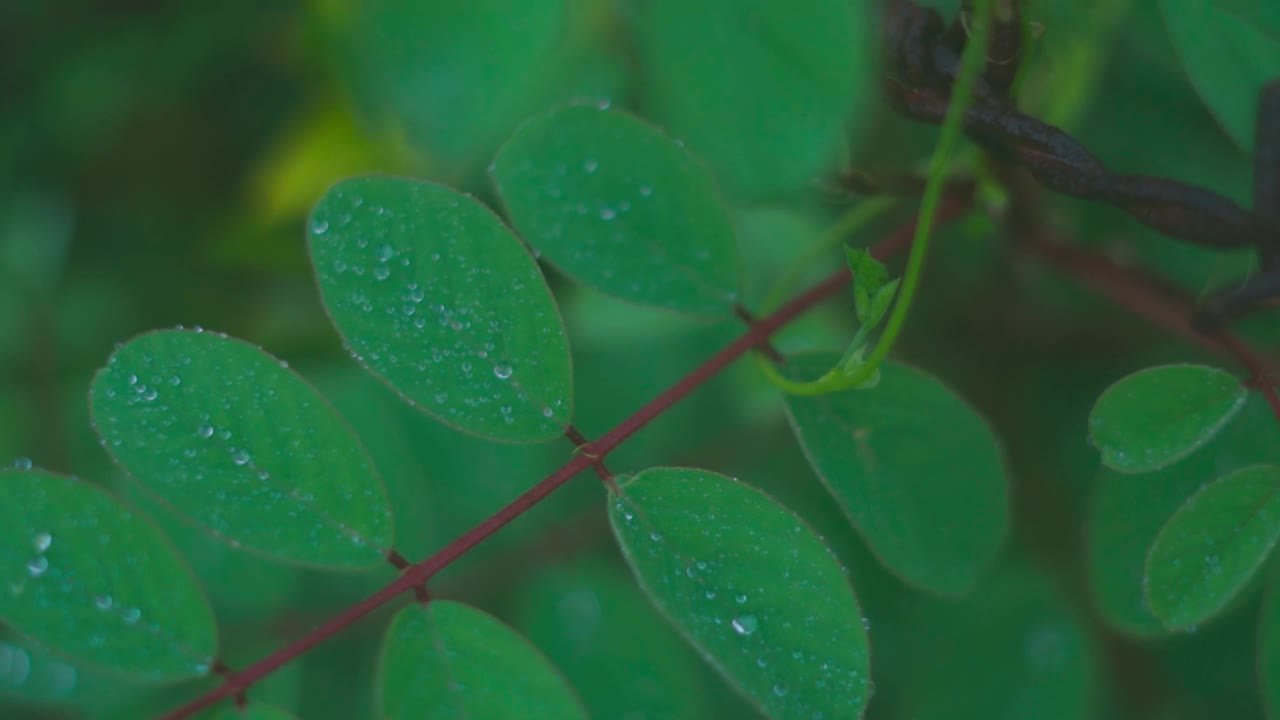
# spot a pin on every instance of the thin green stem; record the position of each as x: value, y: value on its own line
x: 975, y: 54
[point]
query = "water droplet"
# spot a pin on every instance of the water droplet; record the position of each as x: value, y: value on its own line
x: 547, y: 412
x: 42, y: 541
x: 607, y: 213
x: 502, y: 371
x: 37, y: 566
x: 131, y: 616
x: 590, y: 166
x: 240, y: 457
x: 318, y: 226
x: 22, y: 463
x: 103, y: 602
x: 646, y: 191
x: 711, y: 594
x: 381, y: 272
x: 655, y: 535
x: 416, y: 294
x: 384, y: 253
x: 741, y: 598
x: 745, y: 624
x: 762, y: 661
x: 206, y: 430
x: 780, y: 690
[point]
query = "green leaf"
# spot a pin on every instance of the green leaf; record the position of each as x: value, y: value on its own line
x: 1269, y: 649
x: 451, y: 660
x: 97, y: 581
x: 1228, y: 58
x: 621, y: 207
x: 1156, y: 417
x: 751, y: 586
x: 872, y: 290
x: 917, y: 471
x: 436, y: 297
x: 1213, y: 545
x: 254, y: 711
x: 228, y: 436
x: 599, y: 629
x: 762, y: 89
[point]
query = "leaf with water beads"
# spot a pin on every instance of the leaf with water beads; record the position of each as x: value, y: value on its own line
x: 1159, y: 415
x: 621, y: 207
x: 1213, y: 545
x: 97, y: 581
x: 449, y: 660
x: 438, y: 299
x: 751, y: 586
x: 228, y: 436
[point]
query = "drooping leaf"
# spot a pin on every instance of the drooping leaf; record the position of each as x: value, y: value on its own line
x: 621, y: 207
x: 97, y: 581
x: 1228, y: 57
x: 763, y: 90
x: 1269, y: 649
x: 1213, y: 545
x: 1157, y: 416
x: 228, y: 436
x: 623, y: 657
x: 917, y: 471
x: 1128, y: 511
x: 254, y: 711
x: 752, y: 588
x: 448, y: 660
x: 436, y: 297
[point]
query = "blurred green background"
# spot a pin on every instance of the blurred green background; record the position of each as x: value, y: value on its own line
x: 157, y: 162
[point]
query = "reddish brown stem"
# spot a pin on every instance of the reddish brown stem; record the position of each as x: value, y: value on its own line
x: 416, y: 575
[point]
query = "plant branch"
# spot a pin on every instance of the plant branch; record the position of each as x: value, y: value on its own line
x: 756, y: 336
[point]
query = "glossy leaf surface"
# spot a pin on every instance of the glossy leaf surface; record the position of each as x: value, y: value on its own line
x: 436, y: 297
x: 1228, y: 56
x: 228, y: 436
x: 761, y: 89
x: 1213, y: 545
x: 1157, y: 416
x: 621, y: 207
x: 448, y: 660
x: 915, y: 468
x: 97, y: 581
x: 751, y: 586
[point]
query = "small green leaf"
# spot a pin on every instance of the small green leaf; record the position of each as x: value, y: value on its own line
x: 97, y: 581
x: 1213, y: 545
x: 763, y: 90
x: 436, y: 297
x: 917, y: 471
x: 621, y: 207
x: 448, y: 660
x: 254, y: 711
x: 1157, y: 416
x: 869, y: 280
x: 1269, y: 649
x: 228, y: 436
x: 751, y: 586
x: 1228, y: 58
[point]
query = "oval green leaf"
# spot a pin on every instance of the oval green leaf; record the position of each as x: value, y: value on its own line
x: 228, y: 436
x: 916, y: 470
x: 621, y: 207
x: 751, y: 586
x: 95, y: 580
x: 1157, y: 416
x: 1228, y: 57
x: 437, y: 298
x: 448, y: 660
x: 1213, y: 545
x: 763, y: 90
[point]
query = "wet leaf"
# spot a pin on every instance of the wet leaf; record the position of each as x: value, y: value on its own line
x: 751, y: 586
x: 917, y: 470
x: 1157, y: 416
x: 1213, y: 545
x: 228, y: 436
x: 621, y: 207
x: 97, y: 581
x: 448, y: 660
x: 437, y: 298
